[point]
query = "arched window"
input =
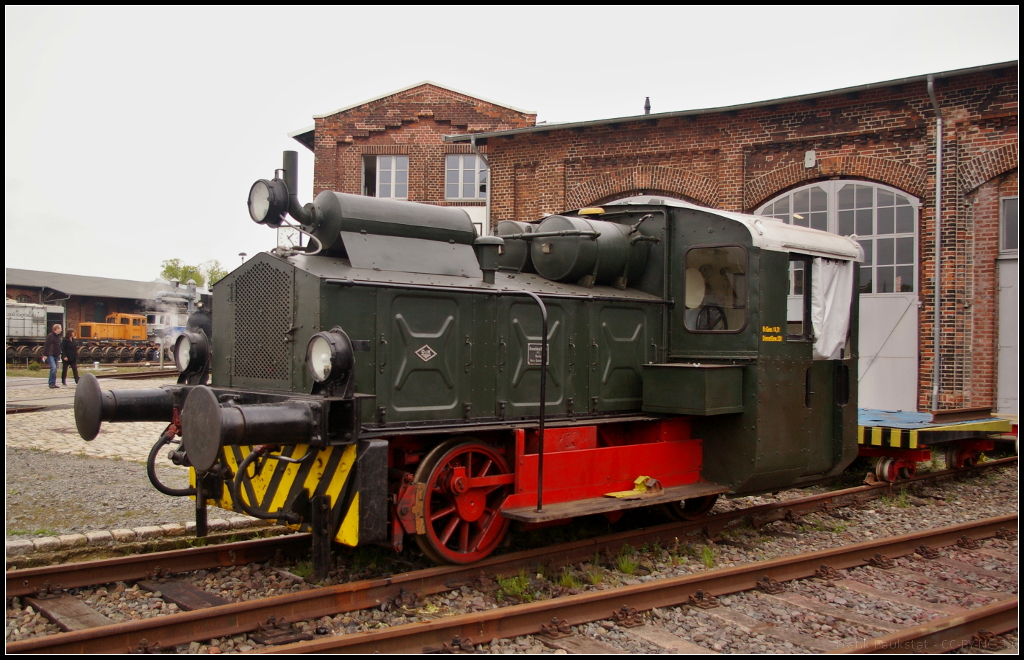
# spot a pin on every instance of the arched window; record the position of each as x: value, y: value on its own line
x: 882, y: 219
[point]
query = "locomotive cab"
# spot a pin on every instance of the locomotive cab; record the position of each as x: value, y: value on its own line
x: 404, y: 378
x: 762, y: 345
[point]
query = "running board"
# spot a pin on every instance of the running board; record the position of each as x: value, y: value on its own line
x: 605, y: 504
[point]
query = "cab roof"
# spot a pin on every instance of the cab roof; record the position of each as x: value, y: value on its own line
x: 768, y: 233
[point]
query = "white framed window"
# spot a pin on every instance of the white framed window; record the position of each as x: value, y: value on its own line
x: 1008, y: 227
x: 882, y: 219
x: 386, y: 176
x: 465, y: 177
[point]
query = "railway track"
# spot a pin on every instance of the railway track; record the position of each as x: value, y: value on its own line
x: 231, y: 619
x: 625, y: 604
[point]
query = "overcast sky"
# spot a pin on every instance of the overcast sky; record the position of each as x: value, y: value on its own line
x: 133, y: 135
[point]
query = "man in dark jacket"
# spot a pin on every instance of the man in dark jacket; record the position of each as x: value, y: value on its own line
x: 51, y: 353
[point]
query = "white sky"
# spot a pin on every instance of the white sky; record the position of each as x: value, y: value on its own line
x: 133, y: 135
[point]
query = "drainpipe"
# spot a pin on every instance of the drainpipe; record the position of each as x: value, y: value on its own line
x: 487, y: 164
x: 938, y: 238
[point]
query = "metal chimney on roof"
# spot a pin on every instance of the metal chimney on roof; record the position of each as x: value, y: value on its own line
x: 647, y: 105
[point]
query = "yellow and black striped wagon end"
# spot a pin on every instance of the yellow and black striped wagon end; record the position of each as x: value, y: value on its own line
x: 353, y: 477
x: 917, y: 438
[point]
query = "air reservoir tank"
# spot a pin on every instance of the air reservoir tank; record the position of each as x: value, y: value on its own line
x: 515, y: 254
x: 591, y: 252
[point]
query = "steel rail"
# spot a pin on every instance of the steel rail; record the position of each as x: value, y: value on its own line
x: 945, y: 634
x: 26, y: 581
x: 246, y: 616
x: 515, y: 620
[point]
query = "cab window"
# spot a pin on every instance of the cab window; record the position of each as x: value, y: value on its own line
x: 715, y: 285
x: 798, y: 303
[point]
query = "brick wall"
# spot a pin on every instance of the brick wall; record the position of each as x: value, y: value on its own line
x: 80, y: 308
x: 412, y: 123
x: 738, y: 160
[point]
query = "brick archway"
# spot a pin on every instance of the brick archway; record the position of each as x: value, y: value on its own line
x: 646, y: 191
x: 898, y: 175
x: 987, y: 166
x: 647, y: 178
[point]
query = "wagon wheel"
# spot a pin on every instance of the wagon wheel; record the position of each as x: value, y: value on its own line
x: 463, y: 524
x: 712, y: 317
x: 958, y: 458
x: 886, y: 470
x: 691, y: 509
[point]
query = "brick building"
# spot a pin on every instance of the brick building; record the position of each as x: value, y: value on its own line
x: 85, y: 298
x: 860, y: 160
x: 392, y: 146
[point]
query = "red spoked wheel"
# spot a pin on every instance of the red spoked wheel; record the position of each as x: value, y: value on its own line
x: 463, y: 520
x: 691, y: 509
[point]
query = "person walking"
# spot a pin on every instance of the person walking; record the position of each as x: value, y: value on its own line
x: 51, y: 353
x: 69, y: 354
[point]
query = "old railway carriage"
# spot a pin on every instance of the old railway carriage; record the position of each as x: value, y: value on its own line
x: 387, y: 381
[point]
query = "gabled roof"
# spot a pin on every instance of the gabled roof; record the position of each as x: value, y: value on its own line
x: 85, y: 285
x: 421, y: 84
x: 305, y: 135
x: 481, y: 138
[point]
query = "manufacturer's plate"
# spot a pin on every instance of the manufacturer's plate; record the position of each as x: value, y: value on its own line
x: 426, y: 353
x: 533, y: 353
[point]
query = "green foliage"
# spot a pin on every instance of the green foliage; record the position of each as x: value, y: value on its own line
x: 902, y: 500
x: 214, y: 272
x: 34, y: 366
x: 707, y: 555
x: 173, y: 269
x: 627, y: 564
x: 627, y: 561
x: 303, y: 569
x: 516, y: 586
x: 568, y: 580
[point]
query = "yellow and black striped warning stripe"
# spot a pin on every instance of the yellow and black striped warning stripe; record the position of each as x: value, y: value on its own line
x: 271, y: 485
x: 893, y: 438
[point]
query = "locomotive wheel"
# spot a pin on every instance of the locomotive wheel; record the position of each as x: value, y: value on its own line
x: 138, y: 354
x: 464, y: 525
x: 691, y: 509
x: 908, y: 472
x: 124, y: 354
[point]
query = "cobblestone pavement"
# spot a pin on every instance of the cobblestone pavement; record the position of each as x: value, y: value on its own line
x: 54, y: 429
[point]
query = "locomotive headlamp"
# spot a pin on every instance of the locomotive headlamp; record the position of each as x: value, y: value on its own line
x: 329, y: 356
x: 191, y: 352
x: 268, y: 202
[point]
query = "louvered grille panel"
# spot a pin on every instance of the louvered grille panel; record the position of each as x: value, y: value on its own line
x: 263, y: 316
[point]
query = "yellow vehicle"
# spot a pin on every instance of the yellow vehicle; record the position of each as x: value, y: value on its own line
x: 124, y: 327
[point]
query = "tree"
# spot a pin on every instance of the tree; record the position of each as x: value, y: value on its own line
x: 214, y: 271
x: 173, y: 269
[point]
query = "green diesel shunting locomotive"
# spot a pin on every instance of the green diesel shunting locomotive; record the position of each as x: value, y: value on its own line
x: 386, y: 381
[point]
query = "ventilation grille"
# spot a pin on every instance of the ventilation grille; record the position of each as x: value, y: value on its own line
x: 263, y: 316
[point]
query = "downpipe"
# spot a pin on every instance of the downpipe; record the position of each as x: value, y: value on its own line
x: 936, y: 354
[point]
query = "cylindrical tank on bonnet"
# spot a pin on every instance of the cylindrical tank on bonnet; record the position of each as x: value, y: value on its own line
x: 388, y: 217
x: 515, y: 254
x: 611, y: 258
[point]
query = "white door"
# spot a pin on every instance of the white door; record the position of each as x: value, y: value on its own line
x: 888, y: 352
x: 1006, y: 393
